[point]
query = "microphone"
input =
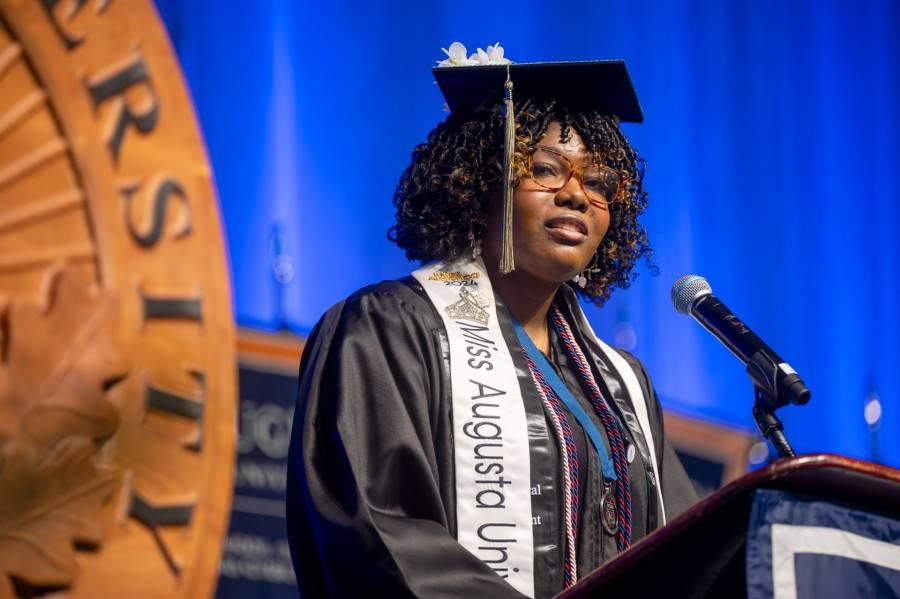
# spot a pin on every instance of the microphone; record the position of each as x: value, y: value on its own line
x: 781, y: 384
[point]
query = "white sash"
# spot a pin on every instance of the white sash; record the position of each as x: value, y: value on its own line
x: 493, y: 473
x: 490, y: 435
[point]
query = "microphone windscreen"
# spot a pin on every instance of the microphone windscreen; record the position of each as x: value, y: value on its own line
x: 687, y: 290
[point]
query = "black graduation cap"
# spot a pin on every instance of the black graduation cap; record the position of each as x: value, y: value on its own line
x: 602, y: 85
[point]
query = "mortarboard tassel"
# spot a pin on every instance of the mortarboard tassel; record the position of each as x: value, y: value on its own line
x: 507, y: 261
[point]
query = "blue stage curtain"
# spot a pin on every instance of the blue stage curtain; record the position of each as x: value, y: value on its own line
x: 771, y: 141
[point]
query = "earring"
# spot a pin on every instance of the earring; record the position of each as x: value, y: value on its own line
x: 582, y: 278
x: 474, y: 244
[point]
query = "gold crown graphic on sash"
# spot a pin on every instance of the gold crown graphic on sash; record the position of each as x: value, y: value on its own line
x: 471, y: 306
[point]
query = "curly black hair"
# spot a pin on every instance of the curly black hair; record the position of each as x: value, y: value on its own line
x: 443, y: 196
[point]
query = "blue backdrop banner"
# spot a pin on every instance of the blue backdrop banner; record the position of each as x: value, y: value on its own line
x: 771, y: 140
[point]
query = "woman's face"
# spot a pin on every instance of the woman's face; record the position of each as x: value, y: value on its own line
x: 555, y: 233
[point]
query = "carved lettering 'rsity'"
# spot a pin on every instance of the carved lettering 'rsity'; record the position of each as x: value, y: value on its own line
x: 62, y: 13
x: 128, y: 130
x: 110, y: 86
x: 162, y: 192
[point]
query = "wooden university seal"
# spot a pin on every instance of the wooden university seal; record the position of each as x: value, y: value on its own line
x: 117, y: 366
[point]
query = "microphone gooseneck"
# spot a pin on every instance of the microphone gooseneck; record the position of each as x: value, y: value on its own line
x: 776, y: 383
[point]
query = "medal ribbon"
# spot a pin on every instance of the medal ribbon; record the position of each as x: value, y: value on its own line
x: 553, y: 392
x: 563, y: 393
x: 615, y: 469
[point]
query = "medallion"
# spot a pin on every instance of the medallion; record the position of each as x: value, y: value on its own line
x: 608, y: 513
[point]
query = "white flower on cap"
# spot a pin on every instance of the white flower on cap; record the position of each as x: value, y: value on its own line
x: 457, y: 56
x: 494, y: 55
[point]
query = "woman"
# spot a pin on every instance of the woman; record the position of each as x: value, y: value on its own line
x: 462, y: 432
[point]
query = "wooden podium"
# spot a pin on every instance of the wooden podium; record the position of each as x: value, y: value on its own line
x: 701, y: 552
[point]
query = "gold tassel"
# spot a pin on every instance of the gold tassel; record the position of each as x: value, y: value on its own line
x: 507, y: 260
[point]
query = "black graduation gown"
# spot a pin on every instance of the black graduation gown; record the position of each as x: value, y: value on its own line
x: 371, y: 497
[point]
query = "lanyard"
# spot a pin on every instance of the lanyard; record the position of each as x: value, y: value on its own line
x: 562, y: 391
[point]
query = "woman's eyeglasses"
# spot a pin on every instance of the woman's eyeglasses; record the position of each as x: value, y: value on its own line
x: 551, y: 170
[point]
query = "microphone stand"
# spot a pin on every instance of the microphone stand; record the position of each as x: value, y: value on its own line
x: 766, y: 400
x: 764, y: 374
x: 769, y: 424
